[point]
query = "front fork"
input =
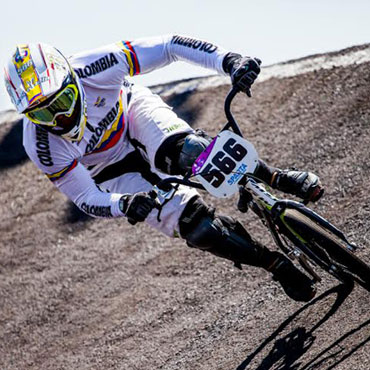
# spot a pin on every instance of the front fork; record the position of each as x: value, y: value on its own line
x: 268, y: 208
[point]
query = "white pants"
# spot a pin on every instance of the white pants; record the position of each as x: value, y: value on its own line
x: 150, y: 122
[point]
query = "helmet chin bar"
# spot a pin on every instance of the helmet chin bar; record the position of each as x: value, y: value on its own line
x: 77, y: 131
x: 68, y: 130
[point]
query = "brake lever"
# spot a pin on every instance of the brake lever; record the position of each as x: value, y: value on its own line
x: 161, y: 197
x: 154, y: 195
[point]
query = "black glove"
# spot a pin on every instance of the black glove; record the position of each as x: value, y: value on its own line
x: 243, y: 72
x: 137, y: 206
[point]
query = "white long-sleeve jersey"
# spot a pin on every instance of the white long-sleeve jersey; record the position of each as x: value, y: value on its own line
x: 102, y: 72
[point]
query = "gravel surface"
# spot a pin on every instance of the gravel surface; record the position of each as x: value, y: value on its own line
x: 77, y: 293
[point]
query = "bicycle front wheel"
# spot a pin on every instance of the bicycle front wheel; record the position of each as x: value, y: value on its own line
x: 322, y: 242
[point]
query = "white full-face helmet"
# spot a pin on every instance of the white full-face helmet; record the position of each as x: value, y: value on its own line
x: 43, y: 86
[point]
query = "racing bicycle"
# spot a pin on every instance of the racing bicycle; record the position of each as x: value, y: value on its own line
x: 227, y: 165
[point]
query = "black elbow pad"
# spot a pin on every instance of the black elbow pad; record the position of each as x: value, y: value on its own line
x: 177, y: 153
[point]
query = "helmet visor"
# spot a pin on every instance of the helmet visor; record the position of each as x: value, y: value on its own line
x: 62, y: 104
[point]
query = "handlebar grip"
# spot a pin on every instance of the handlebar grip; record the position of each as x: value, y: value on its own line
x: 131, y: 221
x: 152, y: 194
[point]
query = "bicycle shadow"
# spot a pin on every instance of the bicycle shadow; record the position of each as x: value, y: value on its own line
x: 289, y: 349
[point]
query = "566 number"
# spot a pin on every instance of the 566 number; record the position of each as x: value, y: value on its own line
x: 225, y: 162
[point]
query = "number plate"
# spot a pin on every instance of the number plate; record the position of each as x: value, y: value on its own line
x: 223, y: 163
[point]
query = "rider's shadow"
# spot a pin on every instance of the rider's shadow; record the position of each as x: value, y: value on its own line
x: 185, y: 111
x: 12, y: 152
x: 288, y: 350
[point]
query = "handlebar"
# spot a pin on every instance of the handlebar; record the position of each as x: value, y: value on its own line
x: 230, y: 118
x: 165, y: 184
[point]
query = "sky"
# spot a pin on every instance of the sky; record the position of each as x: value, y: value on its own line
x: 273, y: 30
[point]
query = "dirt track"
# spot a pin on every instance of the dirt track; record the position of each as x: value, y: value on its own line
x: 77, y: 293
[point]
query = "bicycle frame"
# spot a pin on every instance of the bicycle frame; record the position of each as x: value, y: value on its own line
x: 272, y: 211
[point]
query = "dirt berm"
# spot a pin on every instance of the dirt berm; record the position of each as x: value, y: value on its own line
x: 78, y: 293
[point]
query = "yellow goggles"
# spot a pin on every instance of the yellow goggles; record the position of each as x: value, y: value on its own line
x: 63, y: 104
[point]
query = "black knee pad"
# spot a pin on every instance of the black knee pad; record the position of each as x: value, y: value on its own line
x: 220, y: 235
x: 195, y: 210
